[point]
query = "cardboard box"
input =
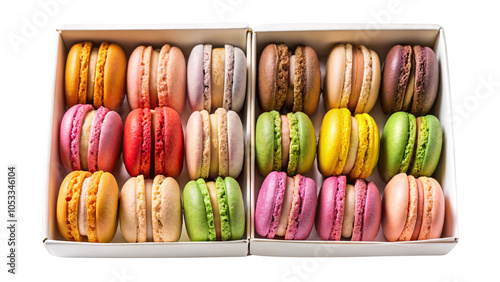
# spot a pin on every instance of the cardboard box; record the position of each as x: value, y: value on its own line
x: 322, y: 37
x: 128, y: 37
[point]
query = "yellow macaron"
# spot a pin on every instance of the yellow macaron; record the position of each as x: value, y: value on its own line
x: 347, y: 145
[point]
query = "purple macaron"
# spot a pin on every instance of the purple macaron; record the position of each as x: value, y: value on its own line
x: 90, y: 139
x: 286, y: 206
x: 348, y: 211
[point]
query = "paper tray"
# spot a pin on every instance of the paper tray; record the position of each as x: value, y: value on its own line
x: 322, y: 37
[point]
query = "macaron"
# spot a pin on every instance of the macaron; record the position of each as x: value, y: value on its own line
x: 89, y: 139
x: 214, y: 210
x: 410, y: 81
x: 153, y: 142
x: 87, y: 207
x: 412, y: 208
x: 214, y: 144
x: 95, y: 75
x: 294, y: 80
x: 150, y: 210
x: 352, y: 78
x: 284, y: 143
x: 156, y: 78
x: 348, y: 211
x: 216, y: 77
x: 347, y: 145
x: 410, y: 144
x: 286, y: 206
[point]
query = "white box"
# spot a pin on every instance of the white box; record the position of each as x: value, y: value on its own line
x: 322, y: 37
x: 128, y: 37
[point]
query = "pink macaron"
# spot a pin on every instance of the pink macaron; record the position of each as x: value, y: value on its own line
x: 348, y: 211
x: 286, y: 206
x: 90, y: 139
x: 156, y: 78
x: 413, y: 208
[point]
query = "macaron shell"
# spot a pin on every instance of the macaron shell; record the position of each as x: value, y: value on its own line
x: 153, y: 78
x: 212, y: 190
x: 214, y: 149
x: 133, y: 141
x: 267, y: 79
x: 432, y: 147
x: 348, y: 83
x: 236, y: 208
x: 134, y: 78
x: 65, y: 136
x: 395, y: 206
x: 334, y: 77
x: 411, y: 219
x: 195, y: 86
x: 174, y: 143
x: 330, y: 141
x: 239, y: 80
x: 372, y: 152
x: 72, y: 74
x: 93, y: 140
x: 349, y: 211
x: 366, y: 82
x: 172, y: 79
x: 393, y: 142
x: 396, y: 72
x: 285, y: 142
x: 235, y: 144
x: 360, y: 191
x: 106, y: 208
x: 194, y: 212
x: 285, y: 207
x: 91, y: 74
x: 325, y: 218
x: 167, y: 211
x: 420, y: 210
x: 266, y: 203
x: 434, y: 209
x: 307, y: 141
x: 356, y: 78
x: 110, y: 141
x: 426, y: 80
x: 223, y: 142
x: 127, y: 211
x: 372, y: 214
x: 194, y: 145
x: 309, y: 201
x: 114, y: 77
x: 312, y: 76
x: 76, y: 132
x: 264, y: 143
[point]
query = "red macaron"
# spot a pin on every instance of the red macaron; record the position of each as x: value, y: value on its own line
x: 153, y: 142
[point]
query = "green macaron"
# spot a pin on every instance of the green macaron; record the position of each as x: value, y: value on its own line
x: 297, y: 132
x: 214, y: 210
x: 409, y: 144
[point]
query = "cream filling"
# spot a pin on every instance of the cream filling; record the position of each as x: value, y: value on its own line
x: 82, y: 207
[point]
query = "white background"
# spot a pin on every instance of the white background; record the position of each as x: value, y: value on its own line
x: 25, y: 78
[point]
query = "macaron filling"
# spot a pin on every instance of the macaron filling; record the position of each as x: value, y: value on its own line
x: 349, y: 211
x: 363, y: 144
x: 277, y: 156
x: 278, y: 204
x: 294, y: 144
x: 140, y: 209
x: 208, y: 209
x: 162, y: 78
x: 99, y: 75
x: 422, y: 141
x: 84, y: 138
x: 91, y: 75
x: 408, y: 153
x: 84, y: 71
x: 205, y: 157
x: 223, y: 209
x: 356, y: 77
x: 95, y: 135
x: 228, y: 77
x: 285, y: 206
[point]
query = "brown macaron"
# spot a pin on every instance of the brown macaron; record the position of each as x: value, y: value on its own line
x: 410, y: 81
x: 87, y: 207
x: 294, y: 81
x: 95, y: 75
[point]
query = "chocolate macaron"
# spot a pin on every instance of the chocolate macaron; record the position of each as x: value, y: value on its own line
x: 292, y: 80
x: 410, y: 81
